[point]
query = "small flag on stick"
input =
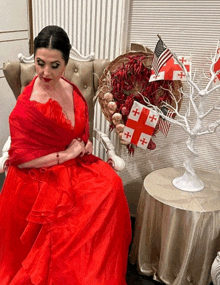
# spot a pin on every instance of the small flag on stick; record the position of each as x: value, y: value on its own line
x: 161, y: 55
x: 216, y: 68
x: 171, y: 70
x: 163, y: 124
x: 140, y: 125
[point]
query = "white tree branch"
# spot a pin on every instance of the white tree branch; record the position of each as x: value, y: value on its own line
x: 209, y: 111
x: 210, y: 129
x: 197, y: 110
x: 182, y: 122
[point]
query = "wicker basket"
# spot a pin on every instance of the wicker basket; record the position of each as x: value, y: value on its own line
x: 127, y: 79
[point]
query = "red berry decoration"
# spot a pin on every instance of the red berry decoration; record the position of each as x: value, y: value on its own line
x: 126, y: 79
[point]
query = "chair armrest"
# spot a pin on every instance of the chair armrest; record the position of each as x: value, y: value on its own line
x: 114, y: 160
x: 4, y: 157
x: 215, y: 270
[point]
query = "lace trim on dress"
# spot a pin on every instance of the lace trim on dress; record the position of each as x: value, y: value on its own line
x: 52, y: 110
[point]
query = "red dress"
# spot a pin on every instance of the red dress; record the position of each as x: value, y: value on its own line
x: 64, y: 225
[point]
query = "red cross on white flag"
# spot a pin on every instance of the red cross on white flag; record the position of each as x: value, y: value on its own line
x: 140, y: 125
x: 171, y: 70
x: 217, y: 67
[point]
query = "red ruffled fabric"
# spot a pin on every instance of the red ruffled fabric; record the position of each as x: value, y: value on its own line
x: 52, y: 109
x: 67, y: 224
x: 34, y: 134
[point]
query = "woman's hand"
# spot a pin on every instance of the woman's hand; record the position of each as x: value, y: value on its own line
x: 89, y: 147
x: 75, y: 148
x: 78, y: 147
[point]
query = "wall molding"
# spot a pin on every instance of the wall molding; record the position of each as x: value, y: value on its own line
x: 15, y: 31
x: 14, y: 36
x: 14, y: 40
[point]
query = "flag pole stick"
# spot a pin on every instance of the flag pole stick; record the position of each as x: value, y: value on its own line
x: 161, y: 40
x: 159, y: 36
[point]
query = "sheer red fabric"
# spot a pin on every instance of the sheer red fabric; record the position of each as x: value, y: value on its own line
x: 67, y: 224
x: 35, y: 134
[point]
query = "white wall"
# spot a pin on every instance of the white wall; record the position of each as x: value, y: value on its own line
x: 13, y: 40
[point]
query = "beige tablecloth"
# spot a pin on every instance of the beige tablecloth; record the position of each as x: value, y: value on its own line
x: 177, y: 233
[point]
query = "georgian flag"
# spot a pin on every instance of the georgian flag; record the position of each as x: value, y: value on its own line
x: 217, y: 68
x: 140, y: 125
x: 171, y: 70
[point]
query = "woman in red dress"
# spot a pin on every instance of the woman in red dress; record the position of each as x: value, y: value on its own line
x: 64, y: 218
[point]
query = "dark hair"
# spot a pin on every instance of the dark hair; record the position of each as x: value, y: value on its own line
x: 53, y: 37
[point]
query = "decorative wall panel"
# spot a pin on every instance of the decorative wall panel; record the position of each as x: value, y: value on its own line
x: 187, y: 28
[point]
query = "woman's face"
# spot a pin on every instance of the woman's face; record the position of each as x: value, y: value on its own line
x: 50, y: 66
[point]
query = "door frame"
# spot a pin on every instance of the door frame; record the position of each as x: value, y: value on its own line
x: 30, y: 28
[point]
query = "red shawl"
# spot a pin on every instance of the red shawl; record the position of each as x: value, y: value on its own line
x: 33, y: 135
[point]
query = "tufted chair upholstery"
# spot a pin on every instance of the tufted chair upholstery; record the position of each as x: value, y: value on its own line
x: 84, y: 74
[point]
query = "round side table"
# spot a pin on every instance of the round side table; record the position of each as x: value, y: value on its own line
x: 177, y: 233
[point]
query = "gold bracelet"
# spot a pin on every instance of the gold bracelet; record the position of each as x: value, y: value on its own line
x: 58, y: 158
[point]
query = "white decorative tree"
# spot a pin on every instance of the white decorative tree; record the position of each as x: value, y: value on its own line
x: 197, y: 99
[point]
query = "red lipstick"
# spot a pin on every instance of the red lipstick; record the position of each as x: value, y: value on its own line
x: 47, y: 79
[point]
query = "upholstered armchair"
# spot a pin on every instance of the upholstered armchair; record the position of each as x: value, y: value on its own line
x: 84, y: 72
